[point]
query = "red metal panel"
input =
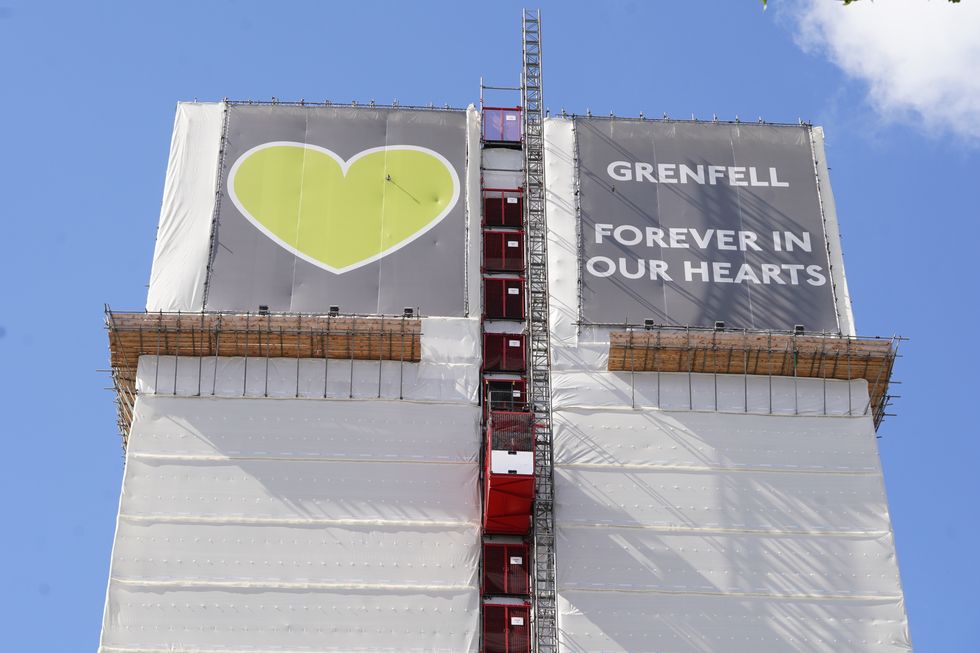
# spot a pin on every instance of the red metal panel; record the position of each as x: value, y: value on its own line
x: 519, y: 630
x: 507, y: 503
x: 503, y: 299
x: 518, y: 573
x: 506, y: 628
x: 494, y: 568
x: 503, y: 207
x: 504, y: 352
x: 503, y: 251
x: 505, y: 568
x: 495, y: 629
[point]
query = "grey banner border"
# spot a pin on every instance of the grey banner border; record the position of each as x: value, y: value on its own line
x: 219, y: 181
x: 580, y: 244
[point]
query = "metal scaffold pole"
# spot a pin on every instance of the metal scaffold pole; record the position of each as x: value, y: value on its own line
x: 545, y: 617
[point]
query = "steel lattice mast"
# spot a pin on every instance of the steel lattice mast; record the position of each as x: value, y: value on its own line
x: 545, y: 618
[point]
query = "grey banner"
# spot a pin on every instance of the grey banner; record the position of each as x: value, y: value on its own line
x: 259, y: 258
x: 693, y: 223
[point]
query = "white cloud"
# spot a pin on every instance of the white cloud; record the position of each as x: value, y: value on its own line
x: 920, y: 58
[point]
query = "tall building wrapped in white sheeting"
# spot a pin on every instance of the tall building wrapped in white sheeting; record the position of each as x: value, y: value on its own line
x: 477, y: 381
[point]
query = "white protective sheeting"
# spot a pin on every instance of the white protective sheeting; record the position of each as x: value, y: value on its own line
x: 451, y: 341
x: 754, y: 532
x: 180, y: 257
x: 832, y: 230
x: 298, y: 490
x: 561, y: 206
x: 368, y: 431
x: 647, y: 622
x: 699, y: 440
x: 644, y: 497
x: 503, y: 168
x: 448, y: 372
x: 297, y: 525
x: 280, y: 554
x: 722, y: 392
x: 195, y: 619
x: 474, y: 213
x: 278, y: 377
x: 698, y: 512
x: 640, y: 559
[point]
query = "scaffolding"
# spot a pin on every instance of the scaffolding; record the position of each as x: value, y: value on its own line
x: 249, y: 336
x: 760, y: 353
x: 545, y: 616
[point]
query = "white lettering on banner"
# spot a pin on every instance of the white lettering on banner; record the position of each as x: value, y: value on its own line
x: 711, y: 272
x: 603, y: 266
x: 666, y: 173
x: 609, y: 267
x: 620, y: 170
x: 677, y: 238
x: 727, y: 240
x: 680, y: 173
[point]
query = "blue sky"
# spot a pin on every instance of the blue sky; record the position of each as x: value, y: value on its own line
x: 87, y: 93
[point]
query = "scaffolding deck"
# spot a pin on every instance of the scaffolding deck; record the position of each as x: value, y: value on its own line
x: 768, y: 354
x: 343, y: 337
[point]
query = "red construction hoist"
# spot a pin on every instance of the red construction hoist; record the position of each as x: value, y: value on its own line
x: 508, y: 425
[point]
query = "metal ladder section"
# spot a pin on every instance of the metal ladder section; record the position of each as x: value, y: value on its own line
x: 545, y: 613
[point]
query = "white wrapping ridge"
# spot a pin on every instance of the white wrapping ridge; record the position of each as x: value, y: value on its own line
x: 695, y: 440
x: 729, y: 393
x: 278, y: 378
x: 615, y: 622
x: 274, y: 488
x: 180, y: 256
x: 161, y: 552
x: 129, y: 649
x: 282, y: 521
x: 723, y: 530
x: 386, y: 460
x: 332, y: 429
x: 617, y: 559
x: 280, y: 585
x: 290, y: 620
x: 719, y: 499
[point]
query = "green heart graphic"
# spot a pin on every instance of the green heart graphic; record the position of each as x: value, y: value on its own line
x: 340, y: 215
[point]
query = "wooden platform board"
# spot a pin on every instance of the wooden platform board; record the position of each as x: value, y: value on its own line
x: 131, y: 335
x: 823, y: 357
